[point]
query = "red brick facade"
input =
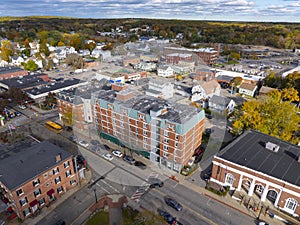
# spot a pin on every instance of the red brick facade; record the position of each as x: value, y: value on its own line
x: 11, y: 74
x: 41, y: 190
x: 286, y: 196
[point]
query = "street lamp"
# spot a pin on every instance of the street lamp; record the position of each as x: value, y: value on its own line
x: 95, y: 195
x: 259, y: 212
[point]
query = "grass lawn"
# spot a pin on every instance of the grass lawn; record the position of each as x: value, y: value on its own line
x: 99, y: 218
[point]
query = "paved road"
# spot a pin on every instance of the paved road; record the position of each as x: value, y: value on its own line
x: 121, y: 177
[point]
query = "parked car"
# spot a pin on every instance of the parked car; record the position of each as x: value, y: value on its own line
x: 84, y: 143
x: 69, y: 128
x: 129, y: 159
x: 155, y: 182
x: 107, y: 156
x: 117, y: 153
x: 106, y: 147
x: 73, y: 138
x: 80, y: 159
x: 173, y: 203
x: 22, y: 106
x: 167, y: 217
x: 60, y: 222
x: 95, y: 142
x: 17, y: 113
x: 140, y: 164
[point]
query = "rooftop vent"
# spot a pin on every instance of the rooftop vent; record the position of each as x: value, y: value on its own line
x: 271, y: 146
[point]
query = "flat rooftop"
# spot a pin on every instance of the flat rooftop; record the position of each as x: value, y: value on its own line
x: 9, y: 69
x: 24, y: 82
x: 249, y: 151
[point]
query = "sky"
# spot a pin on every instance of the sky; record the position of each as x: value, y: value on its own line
x: 221, y: 10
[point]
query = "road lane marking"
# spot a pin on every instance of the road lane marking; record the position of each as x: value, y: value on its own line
x: 192, y: 210
x: 110, y: 186
x: 103, y: 188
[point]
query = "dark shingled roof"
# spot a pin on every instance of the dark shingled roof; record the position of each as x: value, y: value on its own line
x: 18, y: 169
x: 249, y: 150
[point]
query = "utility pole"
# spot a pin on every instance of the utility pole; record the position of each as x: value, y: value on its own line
x: 95, y: 195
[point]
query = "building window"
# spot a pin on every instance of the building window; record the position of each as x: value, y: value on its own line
x: 55, y: 171
x: 166, y: 147
x: 166, y: 133
x: 72, y: 182
x: 26, y: 212
x: 36, y: 182
x: 145, y: 139
x: 60, y: 190
x: 229, y: 179
x: 166, y: 140
x: 45, y: 175
x: 259, y: 188
x: 23, y: 201
x: 57, y: 180
x: 41, y: 201
x: 176, y: 144
x: 68, y: 173
x: 170, y: 126
x: 20, y: 192
x: 66, y: 164
x: 142, y: 117
x: 291, y: 205
x: 145, y: 125
x: 37, y: 192
x: 177, y: 137
x: 145, y: 145
x: 166, y: 154
x: 145, y: 132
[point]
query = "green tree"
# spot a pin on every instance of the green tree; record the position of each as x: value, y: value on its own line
x: 44, y: 48
x: 30, y: 65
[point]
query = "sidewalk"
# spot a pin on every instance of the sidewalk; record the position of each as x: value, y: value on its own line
x: 46, y: 210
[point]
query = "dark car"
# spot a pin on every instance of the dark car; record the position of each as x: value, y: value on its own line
x: 173, y: 203
x: 17, y: 113
x: 60, y: 222
x: 73, y: 138
x: 69, y: 128
x: 95, y: 142
x: 128, y: 159
x: 140, y: 165
x: 80, y: 159
x: 155, y: 182
x: 167, y: 216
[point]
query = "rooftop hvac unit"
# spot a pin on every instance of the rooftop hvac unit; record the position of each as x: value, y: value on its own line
x: 271, y: 146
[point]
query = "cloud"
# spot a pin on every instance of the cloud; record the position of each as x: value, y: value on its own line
x: 188, y: 9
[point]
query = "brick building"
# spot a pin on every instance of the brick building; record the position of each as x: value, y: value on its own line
x: 261, y: 165
x: 34, y: 177
x: 11, y: 71
x: 175, y: 58
x: 164, y: 132
x: 206, y: 55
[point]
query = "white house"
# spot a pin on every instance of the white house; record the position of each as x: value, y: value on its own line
x: 16, y: 60
x: 159, y: 88
x: 165, y: 71
x: 247, y: 89
x: 221, y: 104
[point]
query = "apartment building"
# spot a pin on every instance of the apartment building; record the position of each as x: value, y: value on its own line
x: 164, y: 132
x: 33, y: 177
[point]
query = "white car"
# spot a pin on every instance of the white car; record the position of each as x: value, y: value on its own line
x: 117, y: 153
x: 107, y: 156
x: 22, y: 106
x: 83, y: 144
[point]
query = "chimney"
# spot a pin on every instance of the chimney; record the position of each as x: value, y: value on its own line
x: 58, y: 157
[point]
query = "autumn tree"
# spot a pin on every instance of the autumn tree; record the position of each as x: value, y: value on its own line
x: 75, y: 61
x: 6, y: 50
x: 269, y: 115
x: 44, y: 49
x: 290, y: 94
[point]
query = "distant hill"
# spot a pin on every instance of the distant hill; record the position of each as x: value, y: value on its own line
x: 279, y: 35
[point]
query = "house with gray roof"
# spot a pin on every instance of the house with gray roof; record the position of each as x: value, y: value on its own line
x: 221, y: 104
